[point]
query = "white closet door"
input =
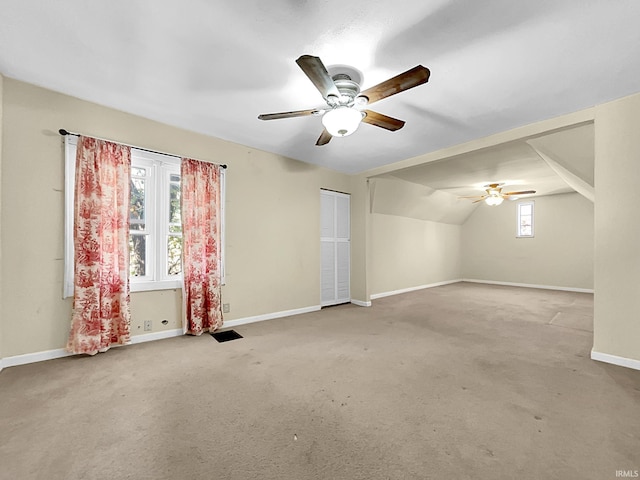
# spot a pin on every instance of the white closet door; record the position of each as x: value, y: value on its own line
x: 343, y: 260
x: 335, y: 248
x: 328, y: 283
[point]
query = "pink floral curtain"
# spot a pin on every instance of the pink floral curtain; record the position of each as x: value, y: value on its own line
x: 201, y: 269
x: 101, y: 315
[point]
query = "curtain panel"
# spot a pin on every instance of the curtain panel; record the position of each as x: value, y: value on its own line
x: 101, y: 315
x: 201, y: 271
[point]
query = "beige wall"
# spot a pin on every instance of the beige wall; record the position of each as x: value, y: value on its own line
x: 617, y: 229
x: 359, y: 243
x: 273, y: 204
x: 272, y: 231
x: 560, y: 254
x: 407, y: 252
x: 1, y: 149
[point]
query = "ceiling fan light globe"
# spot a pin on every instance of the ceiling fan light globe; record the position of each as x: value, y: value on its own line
x: 493, y: 200
x: 342, y: 121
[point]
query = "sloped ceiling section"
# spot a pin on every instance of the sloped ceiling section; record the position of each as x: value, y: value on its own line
x: 515, y: 165
x: 393, y: 196
x: 572, y: 148
x: 571, y: 155
x: 558, y: 162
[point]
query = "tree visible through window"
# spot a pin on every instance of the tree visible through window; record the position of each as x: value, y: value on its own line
x: 137, y: 228
x: 174, y: 236
x: 155, y: 235
x: 525, y: 219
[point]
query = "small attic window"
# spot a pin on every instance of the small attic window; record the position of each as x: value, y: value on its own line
x: 525, y: 220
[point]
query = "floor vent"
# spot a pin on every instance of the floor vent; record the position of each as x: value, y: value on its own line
x: 226, y: 336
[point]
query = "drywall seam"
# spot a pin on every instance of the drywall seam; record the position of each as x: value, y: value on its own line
x: 529, y: 285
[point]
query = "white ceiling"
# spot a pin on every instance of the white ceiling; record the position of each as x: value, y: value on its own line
x: 212, y: 66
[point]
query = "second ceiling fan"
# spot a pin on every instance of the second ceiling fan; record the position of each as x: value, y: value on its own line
x: 495, y: 195
x: 346, y: 103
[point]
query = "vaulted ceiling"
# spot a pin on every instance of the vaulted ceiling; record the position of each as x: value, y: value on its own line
x: 213, y: 66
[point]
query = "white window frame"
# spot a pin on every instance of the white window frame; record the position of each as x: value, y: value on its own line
x: 160, y: 167
x: 519, y: 216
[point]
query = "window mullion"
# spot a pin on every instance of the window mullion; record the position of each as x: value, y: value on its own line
x: 172, y: 184
x: 161, y: 239
x: 153, y: 224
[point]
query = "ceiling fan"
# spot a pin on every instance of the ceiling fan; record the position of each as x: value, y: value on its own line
x: 346, y: 103
x: 495, y: 196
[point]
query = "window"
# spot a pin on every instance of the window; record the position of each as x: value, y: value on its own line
x: 525, y: 219
x: 155, y: 238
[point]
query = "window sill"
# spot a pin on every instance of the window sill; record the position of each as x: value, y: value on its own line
x: 152, y: 286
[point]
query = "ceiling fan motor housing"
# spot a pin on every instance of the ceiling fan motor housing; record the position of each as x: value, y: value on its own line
x: 348, y: 89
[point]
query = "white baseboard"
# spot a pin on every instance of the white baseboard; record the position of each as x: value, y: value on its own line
x: 361, y: 303
x: 615, y: 360
x: 33, y: 357
x: 413, y: 289
x: 61, y: 352
x: 146, y: 337
x: 269, y: 316
x: 150, y: 337
x: 529, y: 285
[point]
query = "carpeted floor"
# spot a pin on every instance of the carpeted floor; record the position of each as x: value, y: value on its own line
x: 463, y: 381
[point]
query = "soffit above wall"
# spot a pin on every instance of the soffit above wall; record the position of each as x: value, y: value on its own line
x: 516, y: 165
x: 430, y: 190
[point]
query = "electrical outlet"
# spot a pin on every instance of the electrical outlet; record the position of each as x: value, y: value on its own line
x: 147, y: 326
x: 226, y: 307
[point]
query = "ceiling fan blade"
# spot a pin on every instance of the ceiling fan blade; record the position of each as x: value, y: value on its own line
x: 317, y: 73
x: 382, y: 121
x: 474, y: 196
x: 476, y: 201
x: 297, y: 113
x: 524, y: 192
x: 409, y: 79
x: 324, y: 138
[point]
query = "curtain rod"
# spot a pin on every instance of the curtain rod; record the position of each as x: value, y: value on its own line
x: 64, y: 132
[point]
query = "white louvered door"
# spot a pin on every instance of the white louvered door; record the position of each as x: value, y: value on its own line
x: 335, y: 247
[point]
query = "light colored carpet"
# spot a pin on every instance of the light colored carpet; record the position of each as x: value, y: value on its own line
x: 464, y: 381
